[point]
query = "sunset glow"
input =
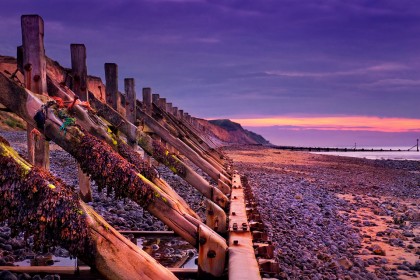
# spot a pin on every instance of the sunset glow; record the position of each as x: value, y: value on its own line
x: 354, y: 123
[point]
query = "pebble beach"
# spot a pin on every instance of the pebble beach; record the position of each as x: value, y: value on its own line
x: 335, y: 217
x: 328, y: 217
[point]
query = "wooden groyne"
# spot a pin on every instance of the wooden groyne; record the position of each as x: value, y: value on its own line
x: 115, y: 139
x: 343, y: 150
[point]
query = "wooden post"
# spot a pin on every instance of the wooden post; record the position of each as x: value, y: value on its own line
x: 111, y: 87
x: 79, y: 71
x: 162, y: 104
x: 79, y: 87
x: 147, y: 100
x: 181, y: 114
x: 169, y: 108
x: 19, y: 58
x: 155, y: 98
x: 34, y: 66
x: 175, y: 112
x: 130, y: 102
x: 417, y: 145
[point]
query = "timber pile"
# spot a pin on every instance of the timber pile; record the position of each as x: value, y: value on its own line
x: 105, y: 138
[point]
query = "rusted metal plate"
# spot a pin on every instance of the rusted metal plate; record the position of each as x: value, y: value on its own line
x: 242, y: 261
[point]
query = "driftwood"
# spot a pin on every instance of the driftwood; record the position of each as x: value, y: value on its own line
x: 108, y: 169
x: 35, y: 202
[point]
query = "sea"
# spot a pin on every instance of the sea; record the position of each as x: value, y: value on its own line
x: 395, y: 155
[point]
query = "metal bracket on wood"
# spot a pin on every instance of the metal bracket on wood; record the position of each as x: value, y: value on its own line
x: 215, y: 217
x: 212, y: 252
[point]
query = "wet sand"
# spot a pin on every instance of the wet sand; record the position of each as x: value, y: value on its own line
x: 335, y: 217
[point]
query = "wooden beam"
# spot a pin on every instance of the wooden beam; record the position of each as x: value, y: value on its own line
x: 149, y: 145
x: 242, y: 261
x: 147, y: 100
x: 155, y: 98
x: 34, y: 66
x: 79, y: 143
x: 111, y: 86
x: 130, y: 102
x: 169, y: 108
x: 86, y: 234
x: 79, y: 71
x: 79, y: 87
x: 155, y: 126
x: 162, y: 104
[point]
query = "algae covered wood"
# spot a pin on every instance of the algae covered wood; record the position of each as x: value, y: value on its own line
x: 95, y: 126
x: 162, y: 155
x: 107, y: 168
x: 52, y: 212
x: 79, y: 87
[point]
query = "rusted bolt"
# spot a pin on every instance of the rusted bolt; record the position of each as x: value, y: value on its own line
x: 244, y: 226
x: 234, y: 197
x: 28, y: 67
x: 210, y: 212
x: 202, y: 240
x: 235, y: 226
x: 235, y: 242
x: 233, y: 213
x: 37, y: 78
x: 211, y: 254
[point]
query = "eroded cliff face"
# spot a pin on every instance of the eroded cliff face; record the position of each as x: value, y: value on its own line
x: 228, y: 132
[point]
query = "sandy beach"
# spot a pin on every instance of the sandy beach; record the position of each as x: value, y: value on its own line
x: 335, y: 217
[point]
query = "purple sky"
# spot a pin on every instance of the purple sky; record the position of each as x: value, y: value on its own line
x: 238, y: 59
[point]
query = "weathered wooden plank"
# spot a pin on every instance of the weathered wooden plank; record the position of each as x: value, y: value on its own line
x: 242, y: 261
x: 79, y: 71
x: 181, y: 146
x: 111, y: 86
x: 147, y: 100
x: 89, y: 236
x: 79, y: 87
x: 34, y: 66
x: 130, y: 102
x: 149, y: 145
x: 79, y: 144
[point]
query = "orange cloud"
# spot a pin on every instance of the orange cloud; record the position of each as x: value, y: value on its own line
x: 355, y: 123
